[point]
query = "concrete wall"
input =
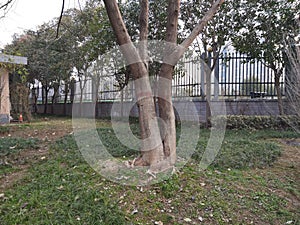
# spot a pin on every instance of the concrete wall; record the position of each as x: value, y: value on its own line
x: 185, y: 110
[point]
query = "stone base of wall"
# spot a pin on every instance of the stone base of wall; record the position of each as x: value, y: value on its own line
x: 4, y: 118
x: 186, y: 110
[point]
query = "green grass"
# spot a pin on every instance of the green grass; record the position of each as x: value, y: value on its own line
x: 10, y: 145
x: 4, y: 129
x: 235, y: 189
x: 55, y: 193
x: 9, y: 149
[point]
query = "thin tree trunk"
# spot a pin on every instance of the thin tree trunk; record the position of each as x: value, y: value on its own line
x: 166, y: 111
x: 66, y: 98
x: 46, y: 99
x: 54, y: 99
x: 279, y: 95
x: 144, y: 29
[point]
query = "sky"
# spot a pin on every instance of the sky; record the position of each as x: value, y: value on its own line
x: 29, y: 14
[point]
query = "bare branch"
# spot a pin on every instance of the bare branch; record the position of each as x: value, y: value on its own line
x: 5, y: 5
x: 60, y: 18
x: 173, y: 58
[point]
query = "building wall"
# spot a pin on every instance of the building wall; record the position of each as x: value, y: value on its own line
x: 4, y: 92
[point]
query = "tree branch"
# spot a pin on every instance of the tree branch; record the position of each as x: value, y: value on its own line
x: 144, y: 26
x: 60, y: 17
x: 5, y: 5
x: 180, y: 50
x: 202, y: 23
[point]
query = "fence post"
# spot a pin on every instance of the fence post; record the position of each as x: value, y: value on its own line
x: 202, y: 89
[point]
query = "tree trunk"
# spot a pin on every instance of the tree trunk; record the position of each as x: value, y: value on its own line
x: 279, y: 95
x: 72, y: 90
x: 151, y: 147
x: 66, y: 98
x: 158, y: 146
x: 165, y: 106
x: 54, y: 99
x: 46, y: 99
x: 43, y: 94
x: 34, y: 99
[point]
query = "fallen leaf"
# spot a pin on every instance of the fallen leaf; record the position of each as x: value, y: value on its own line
x: 187, y: 220
x: 135, y: 211
x: 60, y: 187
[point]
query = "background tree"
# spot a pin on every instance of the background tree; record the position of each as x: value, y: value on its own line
x: 259, y: 32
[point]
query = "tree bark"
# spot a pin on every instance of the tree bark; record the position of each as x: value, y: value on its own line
x: 144, y: 21
x: 165, y: 106
x: 66, y: 98
x: 46, y: 99
x: 279, y: 95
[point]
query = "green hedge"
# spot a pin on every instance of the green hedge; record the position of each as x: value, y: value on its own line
x: 259, y: 122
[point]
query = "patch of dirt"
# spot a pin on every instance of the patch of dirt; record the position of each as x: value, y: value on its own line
x: 9, y: 180
x: 290, y: 153
x: 46, y: 131
x: 286, y: 169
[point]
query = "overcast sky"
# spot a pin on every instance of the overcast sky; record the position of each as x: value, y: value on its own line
x: 28, y: 14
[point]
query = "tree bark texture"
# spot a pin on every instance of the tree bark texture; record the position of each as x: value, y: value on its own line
x: 279, y: 95
x: 165, y: 106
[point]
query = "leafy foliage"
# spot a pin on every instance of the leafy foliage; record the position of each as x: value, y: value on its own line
x: 260, y: 122
x: 217, y: 33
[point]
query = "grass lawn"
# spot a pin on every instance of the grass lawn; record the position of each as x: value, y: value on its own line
x: 45, y: 180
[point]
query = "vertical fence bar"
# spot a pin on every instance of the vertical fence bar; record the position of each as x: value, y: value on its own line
x: 216, y: 80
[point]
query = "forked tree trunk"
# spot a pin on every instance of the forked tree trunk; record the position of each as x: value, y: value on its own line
x: 151, y: 146
x: 158, y: 149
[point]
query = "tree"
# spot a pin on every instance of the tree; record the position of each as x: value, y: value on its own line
x: 158, y: 149
x: 217, y: 32
x: 260, y: 30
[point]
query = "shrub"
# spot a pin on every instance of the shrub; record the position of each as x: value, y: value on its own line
x: 259, y: 122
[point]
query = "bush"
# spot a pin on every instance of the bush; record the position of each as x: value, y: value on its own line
x: 242, y: 150
x: 259, y: 122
